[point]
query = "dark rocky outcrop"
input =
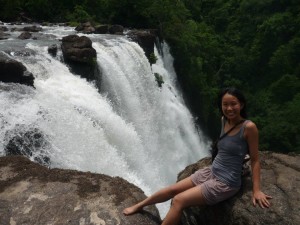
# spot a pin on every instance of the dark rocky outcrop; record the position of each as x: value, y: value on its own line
x: 116, y: 29
x: 3, y: 28
x: 14, y: 71
x: 52, y: 50
x: 31, y: 143
x: 78, y: 49
x: 86, y: 28
x: 280, y: 178
x: 80, y: 55
x: 145, y: 38
x: 25, y: 35
x: 33, y: 194
x: 4, y: 35
x: 33, y: 28
x: 101, y: 29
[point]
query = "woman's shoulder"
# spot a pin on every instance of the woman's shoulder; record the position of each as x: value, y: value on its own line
x: 250, y: 128
x: 249, y: 124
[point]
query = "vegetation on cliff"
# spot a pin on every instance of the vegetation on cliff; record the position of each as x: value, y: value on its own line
x: 251, y: 44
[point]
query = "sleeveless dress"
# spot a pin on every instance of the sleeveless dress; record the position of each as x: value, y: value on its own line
x: 222, y: 179
x: 227, y: 165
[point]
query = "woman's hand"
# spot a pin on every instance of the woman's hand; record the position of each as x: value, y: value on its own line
x: 261, y: 198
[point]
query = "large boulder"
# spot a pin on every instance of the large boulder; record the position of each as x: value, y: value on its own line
x: 116, y: 29
x: 101, y: 29
x: 86, y: 28
x: 14, y: 71
x: 33, y: 194
x: 280, y: 175
x: 78, y: 49
x: 52, y: 50
x: 25, y: 35
x: 79, y: 54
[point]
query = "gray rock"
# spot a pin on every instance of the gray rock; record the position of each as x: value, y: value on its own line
x: 33, y: 28
x: 101, y: 29
x: 52, y: 50
x: 80, y: 56
x: 280, y: 178
x: 3, y: 28
x: 86, y: 28
x: 14, y: 71
x: 33, y: 194
x: 25, y: 35
x: 4, y: 36
x: 78, y: 49
x: 116, y: 29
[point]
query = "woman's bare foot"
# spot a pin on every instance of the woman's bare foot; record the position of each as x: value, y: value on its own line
x: 131, y: 210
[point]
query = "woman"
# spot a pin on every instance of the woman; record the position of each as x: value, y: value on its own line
x: 222, y: 180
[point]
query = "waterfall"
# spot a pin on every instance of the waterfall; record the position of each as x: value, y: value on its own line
x: 128, y: 126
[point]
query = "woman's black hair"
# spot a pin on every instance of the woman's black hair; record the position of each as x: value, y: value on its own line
x: 236, y: 93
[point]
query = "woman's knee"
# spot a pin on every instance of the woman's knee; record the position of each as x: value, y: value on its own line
x: 178, y: 202
x: 180, y: 187
x: 188, y: 198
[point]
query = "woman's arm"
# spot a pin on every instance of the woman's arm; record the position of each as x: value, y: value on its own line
x: 251, y: 135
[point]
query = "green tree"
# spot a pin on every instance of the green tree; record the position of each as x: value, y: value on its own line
x: 79, y: 15
x: 9, y: 9
x: 284, y: 89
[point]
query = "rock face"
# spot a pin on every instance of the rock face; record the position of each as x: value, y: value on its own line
x: 25, y: 35
x: 52, y: 50
x: 78, y: 49
x: 4, y: 35
x: 145, y: 38
x: 31, y: 144
x: 80, y: 55
x: 33, y: 194
x: 86, y: 28
x: 280, y: 178
x: 33, y: 28
x: 14, y: 71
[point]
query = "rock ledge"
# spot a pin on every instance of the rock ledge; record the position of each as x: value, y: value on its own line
x: 33, y: 194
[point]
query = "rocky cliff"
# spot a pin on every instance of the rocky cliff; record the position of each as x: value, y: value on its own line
x: 35, y: 195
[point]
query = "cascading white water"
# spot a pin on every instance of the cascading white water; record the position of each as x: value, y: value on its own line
x: 129, y: 127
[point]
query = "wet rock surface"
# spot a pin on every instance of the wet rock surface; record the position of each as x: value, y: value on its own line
x: 80, y: 55
x: 31, y: 143
x: 13, y: 71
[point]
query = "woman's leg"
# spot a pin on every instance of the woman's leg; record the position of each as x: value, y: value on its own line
x: 190, y: 197
x: 161, y: 195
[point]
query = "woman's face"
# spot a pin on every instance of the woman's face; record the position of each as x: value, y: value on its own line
x: 231, y: 107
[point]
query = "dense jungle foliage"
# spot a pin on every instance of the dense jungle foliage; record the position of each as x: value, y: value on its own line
x: 251, y: 44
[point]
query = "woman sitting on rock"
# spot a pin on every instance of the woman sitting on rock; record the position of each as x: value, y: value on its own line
x: 222, y: 179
